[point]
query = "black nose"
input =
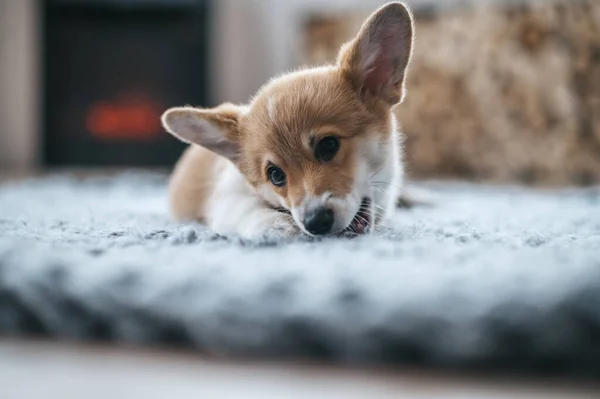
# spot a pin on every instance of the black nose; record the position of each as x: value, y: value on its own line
x: 319, y: 221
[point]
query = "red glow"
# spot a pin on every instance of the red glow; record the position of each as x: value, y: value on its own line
x: 138, y: 121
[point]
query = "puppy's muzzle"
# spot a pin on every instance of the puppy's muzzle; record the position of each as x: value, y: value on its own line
x: 319, y: 221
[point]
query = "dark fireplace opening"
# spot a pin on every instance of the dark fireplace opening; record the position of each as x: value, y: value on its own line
x: 111, y: 68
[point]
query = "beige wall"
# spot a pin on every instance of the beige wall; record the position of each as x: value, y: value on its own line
x: 18, y: 83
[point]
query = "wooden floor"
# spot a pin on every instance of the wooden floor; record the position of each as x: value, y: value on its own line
x: 34, y: 369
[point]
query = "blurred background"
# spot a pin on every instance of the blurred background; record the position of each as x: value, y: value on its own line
x: 499, y: 90
x: 502, y: 91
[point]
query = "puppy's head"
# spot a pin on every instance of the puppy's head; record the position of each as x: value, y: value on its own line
x: 311, y: 141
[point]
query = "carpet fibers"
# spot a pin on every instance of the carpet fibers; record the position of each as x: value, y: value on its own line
x: 491, y: 277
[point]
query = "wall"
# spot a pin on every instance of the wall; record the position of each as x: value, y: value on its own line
x: 19, y: 90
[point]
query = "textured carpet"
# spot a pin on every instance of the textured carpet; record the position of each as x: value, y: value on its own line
x: 492, y: 277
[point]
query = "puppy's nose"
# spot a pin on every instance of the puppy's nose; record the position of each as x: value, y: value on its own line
x: 319, y: 221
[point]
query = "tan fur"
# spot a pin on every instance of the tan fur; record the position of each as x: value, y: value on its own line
x: 192, y: 182
x: 281, y: 127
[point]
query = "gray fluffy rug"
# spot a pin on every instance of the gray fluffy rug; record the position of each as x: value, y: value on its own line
x: 493, y: 277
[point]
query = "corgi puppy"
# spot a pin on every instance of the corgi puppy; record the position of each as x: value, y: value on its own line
x: 317, y: 151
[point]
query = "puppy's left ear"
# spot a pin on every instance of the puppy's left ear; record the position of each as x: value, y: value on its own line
x: 376, y: 60
x: 216, y: 129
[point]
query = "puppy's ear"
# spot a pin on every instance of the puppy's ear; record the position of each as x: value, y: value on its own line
x: 215, y: 129
x: 376, y: 60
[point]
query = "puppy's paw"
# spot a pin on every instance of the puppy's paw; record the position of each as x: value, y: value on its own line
x: 283, y: 227
x: 268, y: 224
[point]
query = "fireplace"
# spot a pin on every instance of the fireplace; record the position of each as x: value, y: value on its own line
x: 111, y: 68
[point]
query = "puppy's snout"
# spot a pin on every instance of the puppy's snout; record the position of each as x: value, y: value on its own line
x: 319, y: 221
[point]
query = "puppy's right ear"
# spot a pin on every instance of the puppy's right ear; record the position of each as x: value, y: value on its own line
x: 215, y: 129
x: 377, y: 59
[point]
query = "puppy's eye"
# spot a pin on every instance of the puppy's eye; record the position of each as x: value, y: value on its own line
x: 276, y: 175
x: 326, y: 149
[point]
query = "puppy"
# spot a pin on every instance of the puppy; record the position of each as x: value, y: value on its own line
x: 317, y: 151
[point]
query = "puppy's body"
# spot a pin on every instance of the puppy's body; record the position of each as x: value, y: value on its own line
x: 316, y: 151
